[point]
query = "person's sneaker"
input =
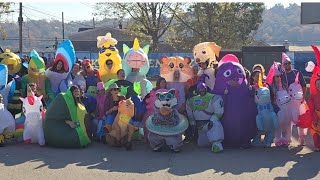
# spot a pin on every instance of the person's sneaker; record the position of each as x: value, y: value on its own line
x: 157, y: 149
x: 215, y: 148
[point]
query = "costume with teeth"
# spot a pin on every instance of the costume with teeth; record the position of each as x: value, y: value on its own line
x: 166, y: 129
x: 239, y: 118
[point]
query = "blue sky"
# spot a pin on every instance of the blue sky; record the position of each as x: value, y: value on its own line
x: 72, y: 10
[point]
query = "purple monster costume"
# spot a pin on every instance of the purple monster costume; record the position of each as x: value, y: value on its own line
x: 239, y: 118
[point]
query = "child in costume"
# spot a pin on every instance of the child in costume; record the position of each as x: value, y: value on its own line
x: 204, y: 113
x: 166, y: 125
x: 100, y: 108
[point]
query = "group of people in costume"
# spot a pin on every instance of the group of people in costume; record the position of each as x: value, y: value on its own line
x: 215, y: 104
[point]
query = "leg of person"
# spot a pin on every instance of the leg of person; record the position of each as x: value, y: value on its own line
x: 88, y: 125
x: 277, y: 138
x: 268, y: 139
x: 156, y: 141
x: 27, y: 134
x: 41, y: 140
x: 174, y: 142
x: 316, y: 141
x: 302, y: 135
x: 288, y: 134
x: 257, y: 140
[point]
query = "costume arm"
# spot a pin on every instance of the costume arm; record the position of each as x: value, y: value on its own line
x: 48, y: 89
x: 217, y: 104
x: 23, y: 86
x: 312, y: 108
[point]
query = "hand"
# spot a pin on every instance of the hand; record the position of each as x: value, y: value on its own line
x: 226, y: 91
x: 71, y: 124
x: 115, y: 108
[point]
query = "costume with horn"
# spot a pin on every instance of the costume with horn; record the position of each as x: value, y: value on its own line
x: 314, y: 99
x: 267, y: 120
x: 136, y: 66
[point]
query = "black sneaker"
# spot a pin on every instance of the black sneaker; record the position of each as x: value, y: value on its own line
x: 128, y: 146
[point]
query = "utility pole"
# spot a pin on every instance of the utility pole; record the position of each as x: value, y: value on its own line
x: 20, y: 20
x: 94, y: 24
x: 62, y: 27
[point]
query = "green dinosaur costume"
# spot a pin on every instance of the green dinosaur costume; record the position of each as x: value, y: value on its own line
x: 57, y: 132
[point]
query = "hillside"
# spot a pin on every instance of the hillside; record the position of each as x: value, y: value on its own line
x: 279, y: 24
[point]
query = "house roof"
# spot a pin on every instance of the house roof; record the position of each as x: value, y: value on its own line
x: 301, y: 48
x: 92, y: 34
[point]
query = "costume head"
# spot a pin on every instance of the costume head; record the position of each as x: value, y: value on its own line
x: 87, y: 67
x: 166, y: 99
x: 176, y: 68
x: 135, y: 58
x: 262, y: 94
x: 12, y: 61
x: 206, y: 52
x: 230, y: 73
x: 36, y: 65
x: 315, y: 69
x: 65, y: 53
x: 31, y: 104
x: 126, y: 109
x: 109, y: 59
x: 295, y: 89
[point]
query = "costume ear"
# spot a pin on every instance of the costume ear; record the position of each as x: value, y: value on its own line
x: 172, y: 91
x: 22, y: 99
x: 163, y: 58
x: 40, y: 97
x: 146, y: 49
x: 187, y: 59
x: 125, y: 49
x: 215, y: 48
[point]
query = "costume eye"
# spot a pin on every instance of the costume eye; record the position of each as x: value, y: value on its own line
x: 181, y: 65
x: 102, y: 50
x: 290, y: 89
x: 171, y: 65
x: 204, y: 52
x: 227, y: 73
x: 195, y: 54
x: 169, y: 96
x: 239, y: 71
x: 256, y: 93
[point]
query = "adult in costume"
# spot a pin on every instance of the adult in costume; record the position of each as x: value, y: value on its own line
x: 36, y: 75
x: 204, y: 113
x: 176, y: 70
x: 267, y: 120
x: 166, y: 125
x: 136, y: 66
x: 13, y: 62
x: 109, y: 59
x: 7, y: 123
x: 314, y: 99
x: 205, y: 54
x: 240, y: 110
x: 64, y: 60
x: 64, y: 124
x: 90, y: 74
x: 282, y: 99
